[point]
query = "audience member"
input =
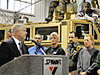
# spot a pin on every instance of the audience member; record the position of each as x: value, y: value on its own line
x: 87, y: 13
x: 53, y: 5
x: 73, y: 50
x: 87, y: 57
x: 54, y: 49
x: 14, y: 47
x: 81, y: 2
x: 36, y: 49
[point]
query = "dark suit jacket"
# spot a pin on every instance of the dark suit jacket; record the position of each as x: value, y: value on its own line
x: 9, y: 50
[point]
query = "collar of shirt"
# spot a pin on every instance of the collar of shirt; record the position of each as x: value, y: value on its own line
x: 17, y: 42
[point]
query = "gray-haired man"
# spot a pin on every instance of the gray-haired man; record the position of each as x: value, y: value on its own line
x: 11, y: 48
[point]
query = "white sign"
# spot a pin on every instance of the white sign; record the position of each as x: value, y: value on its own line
x: 52, y: 66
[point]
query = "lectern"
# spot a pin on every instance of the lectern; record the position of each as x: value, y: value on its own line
x: 36, y: 65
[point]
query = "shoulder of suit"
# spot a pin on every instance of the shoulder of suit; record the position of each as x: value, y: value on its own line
x: 9, y: 41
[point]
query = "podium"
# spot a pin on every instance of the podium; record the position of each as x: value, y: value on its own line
x: 36, y: 65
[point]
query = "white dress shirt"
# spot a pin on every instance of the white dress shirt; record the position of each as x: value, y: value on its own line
x: 17, y: 43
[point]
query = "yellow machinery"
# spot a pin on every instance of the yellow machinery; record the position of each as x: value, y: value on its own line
x: 62, y: 28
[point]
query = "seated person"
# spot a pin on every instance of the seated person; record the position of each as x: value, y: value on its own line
x: 53, y: 5
x: 80, y: 4
x: 87, y: 13
x: 54, y: 49
x: 35, y: 49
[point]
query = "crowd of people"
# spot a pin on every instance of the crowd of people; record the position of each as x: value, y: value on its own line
x: 85, y: 10
x: 83, y: 60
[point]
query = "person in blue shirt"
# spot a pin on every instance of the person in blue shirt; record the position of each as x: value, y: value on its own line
x: 35, y: 50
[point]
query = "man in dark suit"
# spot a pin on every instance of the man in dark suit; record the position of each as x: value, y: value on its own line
x: 11, y: 48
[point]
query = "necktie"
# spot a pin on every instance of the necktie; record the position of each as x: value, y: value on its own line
x: 21, y: 48
x: 36, y: 51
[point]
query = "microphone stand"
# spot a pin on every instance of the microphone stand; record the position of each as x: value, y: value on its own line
x: 42, y: 51
x: 39, y: 45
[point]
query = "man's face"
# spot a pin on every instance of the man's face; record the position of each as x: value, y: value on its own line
x: 86, y: 8
x: 38, y: 38
x: 54, y: 39
x: 22, y: 34
x: 72, y: 38
x: 88, y: 42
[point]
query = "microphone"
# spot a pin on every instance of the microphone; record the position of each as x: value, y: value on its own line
x: 38, y: 44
